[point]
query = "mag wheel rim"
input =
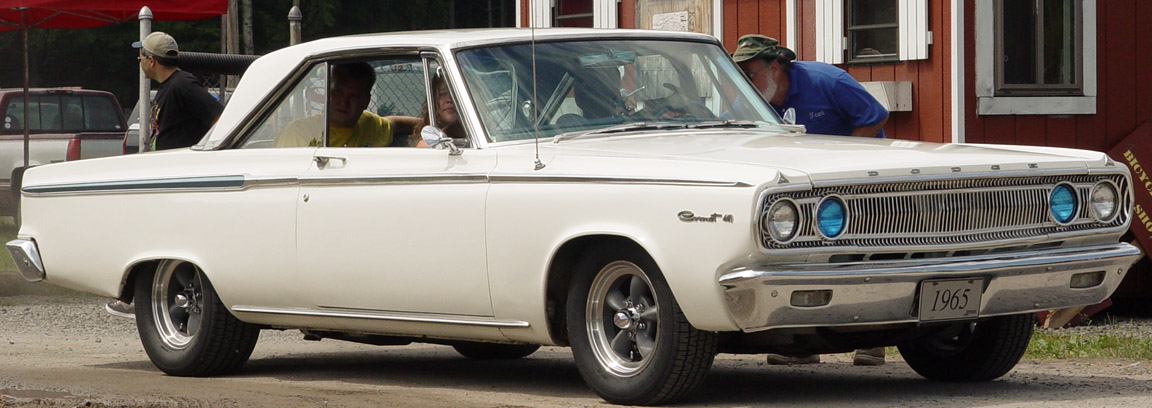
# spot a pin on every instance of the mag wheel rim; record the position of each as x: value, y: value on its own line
x: 177, y: 303
x: 623, y: 319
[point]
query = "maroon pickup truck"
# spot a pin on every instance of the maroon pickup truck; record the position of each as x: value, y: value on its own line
x: 64, y: 124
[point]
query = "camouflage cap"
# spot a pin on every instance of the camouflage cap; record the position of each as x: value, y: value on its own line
x: 159, y: 44
x: 760, y: 46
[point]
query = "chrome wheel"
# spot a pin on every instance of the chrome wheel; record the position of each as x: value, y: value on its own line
x: 622, y: 318
x: 178, y: 303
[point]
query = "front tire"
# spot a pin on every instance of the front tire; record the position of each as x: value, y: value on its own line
x: 969, y: 352
x: 184, y: 327
x: 631, y: 342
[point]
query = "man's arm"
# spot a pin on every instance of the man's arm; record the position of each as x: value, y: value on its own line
x: 870, y: 131
x: 403, y: 125
x: 860, y: 107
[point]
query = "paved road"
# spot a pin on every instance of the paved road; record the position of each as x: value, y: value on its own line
x: 65, y: 351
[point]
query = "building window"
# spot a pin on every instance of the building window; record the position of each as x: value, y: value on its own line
x: 573, y: 13
x: 1038, y: 47
x: 869, y: 31
x: 872, y: 30
x: 1036, y: 57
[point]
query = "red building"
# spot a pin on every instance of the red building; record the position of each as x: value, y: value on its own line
x: 1061, y: 73
x: 1074, y: 73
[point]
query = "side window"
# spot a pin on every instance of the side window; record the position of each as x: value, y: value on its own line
x: 1036, y: 48
x: 100, y: 114
x: 304, y: 105
x: 399, y: 94
x: 359, y: 103
x: 72, y: 113
x: 49, y: 112
x: 443, y: 113
x: 872, y: 30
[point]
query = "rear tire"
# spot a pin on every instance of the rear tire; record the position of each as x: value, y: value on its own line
x: 493, y: 351
x: 184, y: 327
x: 631, y: 342
x: 970, y: 352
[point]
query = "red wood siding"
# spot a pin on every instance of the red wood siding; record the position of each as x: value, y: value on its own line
x: 1124, y: 87
x: 930, y: 118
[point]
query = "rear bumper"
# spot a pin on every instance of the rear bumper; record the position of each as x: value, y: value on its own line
x: 885, y: 292
x: 27, y: 258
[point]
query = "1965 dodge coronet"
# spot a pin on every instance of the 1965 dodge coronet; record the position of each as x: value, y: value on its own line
x: 624, y: 193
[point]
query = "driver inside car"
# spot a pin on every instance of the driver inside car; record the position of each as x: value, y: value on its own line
x: 349, y: 124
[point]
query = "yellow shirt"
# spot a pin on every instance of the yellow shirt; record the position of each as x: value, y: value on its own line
x: 371, y: 130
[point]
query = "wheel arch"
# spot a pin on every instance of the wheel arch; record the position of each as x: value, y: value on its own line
x: 560, y: 270
x: 135, y: 268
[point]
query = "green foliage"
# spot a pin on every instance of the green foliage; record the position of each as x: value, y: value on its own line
x: 7, y: 233
x: 1046, y: 345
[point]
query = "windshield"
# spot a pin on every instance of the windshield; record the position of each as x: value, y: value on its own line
x: 585, y: 86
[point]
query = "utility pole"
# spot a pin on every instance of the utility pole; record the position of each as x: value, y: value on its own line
x: 246, y: 11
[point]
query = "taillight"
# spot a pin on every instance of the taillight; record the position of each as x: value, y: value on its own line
x: 73, y: 150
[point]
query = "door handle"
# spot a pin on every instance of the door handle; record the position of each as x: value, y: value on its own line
x: 324, y: 161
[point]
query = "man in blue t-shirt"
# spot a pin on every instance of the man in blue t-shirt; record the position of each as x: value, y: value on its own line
x: 826, y: 99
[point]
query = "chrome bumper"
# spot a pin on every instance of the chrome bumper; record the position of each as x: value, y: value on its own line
x: 883, y: 292
x: 27, y: 259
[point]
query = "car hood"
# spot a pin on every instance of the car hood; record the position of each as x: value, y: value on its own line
x: 714, y: 154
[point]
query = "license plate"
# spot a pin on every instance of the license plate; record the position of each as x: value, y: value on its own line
x: 949, y: 299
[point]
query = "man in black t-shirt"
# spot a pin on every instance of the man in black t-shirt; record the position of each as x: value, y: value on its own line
x: 183, y: 110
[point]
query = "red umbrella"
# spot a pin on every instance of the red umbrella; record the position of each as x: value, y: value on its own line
x: 27, y: 14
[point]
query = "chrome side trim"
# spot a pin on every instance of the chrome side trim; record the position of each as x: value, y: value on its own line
x: 209, y: 183
x: 386, y: 316
x: 27, y: 259
x: 885, y: 292
x: 399, y: 179
x: 526, y: 178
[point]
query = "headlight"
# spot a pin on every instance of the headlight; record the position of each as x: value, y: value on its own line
x: 1104, y: 201
x: 831, y: 217
x: 781, y: 220
x: 1062, y: 203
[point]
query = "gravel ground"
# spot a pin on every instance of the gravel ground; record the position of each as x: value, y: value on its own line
x: 63, y: 350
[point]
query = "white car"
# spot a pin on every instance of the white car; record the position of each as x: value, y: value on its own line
x: 609, y: 194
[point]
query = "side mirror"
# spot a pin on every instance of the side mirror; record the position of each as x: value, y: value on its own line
x: 436, y: 138
x: 790, y: 116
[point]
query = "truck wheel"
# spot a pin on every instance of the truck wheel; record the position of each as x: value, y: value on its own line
x: 979, y: 351
x: 631, y: 342
x: 185, y: 329
x: 493, y: 351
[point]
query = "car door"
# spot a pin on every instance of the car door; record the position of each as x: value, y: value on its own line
x: 395, y: 229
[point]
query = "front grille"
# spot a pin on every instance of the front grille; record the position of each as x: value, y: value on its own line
x: 947, y: 212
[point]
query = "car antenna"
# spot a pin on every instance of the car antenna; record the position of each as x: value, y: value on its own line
x: 535, y: 120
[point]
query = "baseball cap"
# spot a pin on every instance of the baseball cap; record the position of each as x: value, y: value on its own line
x: 760, y: 46
x: 159, y: 44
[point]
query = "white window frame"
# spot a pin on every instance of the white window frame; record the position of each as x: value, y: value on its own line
x: 831, y: 40
x: 606, y: 14
x: 990, y: 104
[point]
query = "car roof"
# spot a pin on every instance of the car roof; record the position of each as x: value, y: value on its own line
x: 277, y: 65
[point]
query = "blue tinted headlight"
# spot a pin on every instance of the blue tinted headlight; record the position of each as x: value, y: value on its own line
x: 831, y: 217
x: 1062, y: 203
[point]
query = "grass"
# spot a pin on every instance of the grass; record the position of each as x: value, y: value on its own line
x: 1046, y: 345
x: 7, y: 233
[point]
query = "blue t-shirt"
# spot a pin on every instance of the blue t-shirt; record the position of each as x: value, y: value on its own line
x: 828, y: 101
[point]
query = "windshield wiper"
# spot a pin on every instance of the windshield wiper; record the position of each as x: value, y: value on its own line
x: 626, y: 127
x: 727, y: 123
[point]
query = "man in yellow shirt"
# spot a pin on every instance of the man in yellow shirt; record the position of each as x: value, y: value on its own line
x: 349, y: 125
